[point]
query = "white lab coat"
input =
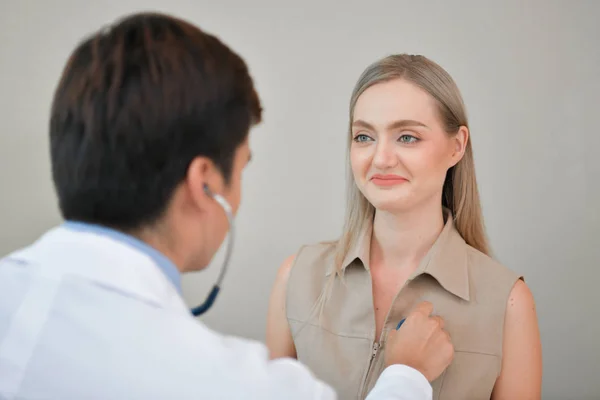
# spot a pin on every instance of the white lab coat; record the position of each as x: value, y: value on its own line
x: 91, y: 314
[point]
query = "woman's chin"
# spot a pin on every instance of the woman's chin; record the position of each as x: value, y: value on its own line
x: 394, y: 205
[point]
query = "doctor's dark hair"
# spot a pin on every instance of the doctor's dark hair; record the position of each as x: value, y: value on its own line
x: 136, y: 103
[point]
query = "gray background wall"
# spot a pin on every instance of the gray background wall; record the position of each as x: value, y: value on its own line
x: 529, y: 75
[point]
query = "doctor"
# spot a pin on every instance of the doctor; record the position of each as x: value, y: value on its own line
x: 148, y: 137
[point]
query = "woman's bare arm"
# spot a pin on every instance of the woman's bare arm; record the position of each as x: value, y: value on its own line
x: 279, y: 336
x: 521, y: 374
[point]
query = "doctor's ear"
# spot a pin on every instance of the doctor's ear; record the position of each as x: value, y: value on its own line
x: 203, y: 179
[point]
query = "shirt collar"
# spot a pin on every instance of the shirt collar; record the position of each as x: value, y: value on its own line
x: 361, y: 249
x: 446, y: 261
x: 164, y: 264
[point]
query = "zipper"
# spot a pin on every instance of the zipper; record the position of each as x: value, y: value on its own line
x: 374, y: 351
x: 377, y: 345
x: 374, y: 348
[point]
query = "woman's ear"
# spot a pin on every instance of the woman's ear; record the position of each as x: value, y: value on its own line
x: 459, y: 145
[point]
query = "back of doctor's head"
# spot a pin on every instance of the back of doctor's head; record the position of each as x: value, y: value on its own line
x: 136, y: 103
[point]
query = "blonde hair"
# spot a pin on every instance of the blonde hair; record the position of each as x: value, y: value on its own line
x: 460, y: 194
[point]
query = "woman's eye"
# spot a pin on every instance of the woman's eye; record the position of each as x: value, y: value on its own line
x: 408, y: 139
x: 361, y: 138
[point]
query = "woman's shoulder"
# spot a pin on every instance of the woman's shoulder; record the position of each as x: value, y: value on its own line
x: 316, y: 251
x: 488, y: 270
x: 492, y: 283
x: 313, y: 256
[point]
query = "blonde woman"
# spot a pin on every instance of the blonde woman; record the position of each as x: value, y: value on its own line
x: 414, y: 231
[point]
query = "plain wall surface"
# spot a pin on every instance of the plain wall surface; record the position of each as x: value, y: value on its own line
x: 528, y: 72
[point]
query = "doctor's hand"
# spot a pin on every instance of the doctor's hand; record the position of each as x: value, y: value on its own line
x: 421, y: 343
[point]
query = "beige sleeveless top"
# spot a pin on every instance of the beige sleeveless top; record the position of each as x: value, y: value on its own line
x: 467, y: 288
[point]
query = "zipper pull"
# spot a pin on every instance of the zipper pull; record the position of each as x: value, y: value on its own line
x: 376, y: 346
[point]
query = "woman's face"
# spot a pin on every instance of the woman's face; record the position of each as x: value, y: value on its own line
x: 400, y: 152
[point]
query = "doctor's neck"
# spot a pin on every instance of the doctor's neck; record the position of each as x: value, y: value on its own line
x: 166, y: 240
x: 403, y: 238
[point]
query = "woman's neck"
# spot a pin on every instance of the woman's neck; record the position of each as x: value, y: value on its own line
x: 401, y: 240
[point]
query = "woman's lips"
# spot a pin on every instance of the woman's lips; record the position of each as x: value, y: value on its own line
x: 388, y: 180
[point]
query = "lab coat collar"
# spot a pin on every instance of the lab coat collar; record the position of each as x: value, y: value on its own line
x: 161, y: 261
x: 115, y: 262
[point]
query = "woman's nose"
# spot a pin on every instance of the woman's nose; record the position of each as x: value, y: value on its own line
x: 385, y: 156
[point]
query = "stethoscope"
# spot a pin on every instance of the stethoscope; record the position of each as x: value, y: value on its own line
x: 202, y: 308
